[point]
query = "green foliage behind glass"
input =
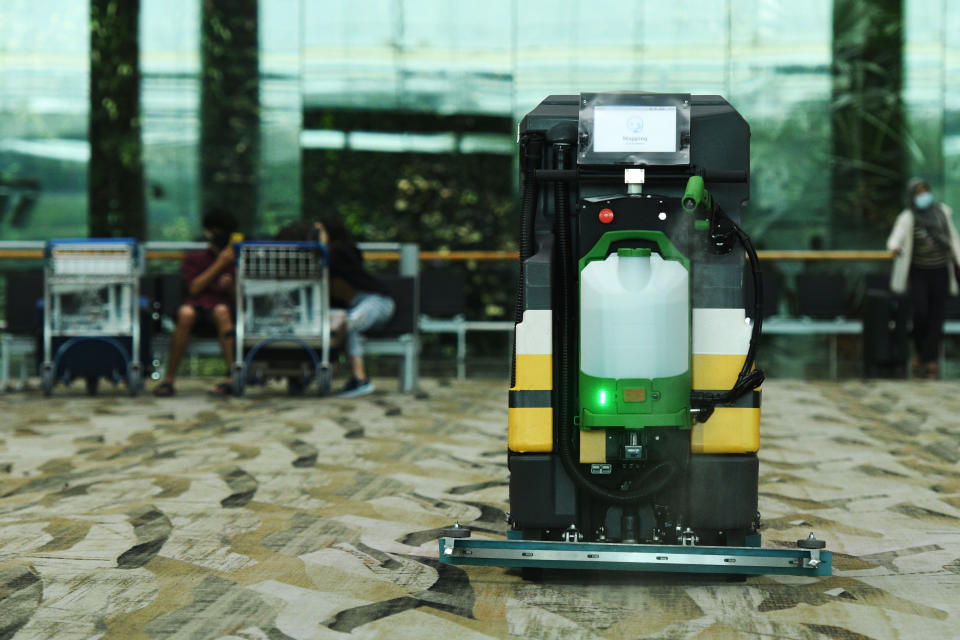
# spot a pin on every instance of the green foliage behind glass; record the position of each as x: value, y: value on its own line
x: 870, y: 137
x: 441, y: 202
x: 116, y: 195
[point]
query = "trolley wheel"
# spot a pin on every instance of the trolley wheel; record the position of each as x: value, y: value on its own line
x: 238, y: 379
x: 324, y: 380
x: 134, y: 380
x: 92, y: 383
x: 296, y: 385
x: 46, y: 379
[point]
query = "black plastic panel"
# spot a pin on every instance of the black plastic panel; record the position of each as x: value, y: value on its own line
x: 722, y: 490
x: 541, y: 494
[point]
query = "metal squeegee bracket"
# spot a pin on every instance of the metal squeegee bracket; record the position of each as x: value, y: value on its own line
x: 635, y: 557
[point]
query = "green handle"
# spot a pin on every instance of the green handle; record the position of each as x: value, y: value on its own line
x: 695, y: 195
x: 633, y: 253
x: 667, y: 249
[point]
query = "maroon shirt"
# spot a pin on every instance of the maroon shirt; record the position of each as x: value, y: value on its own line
x: 195, y: 263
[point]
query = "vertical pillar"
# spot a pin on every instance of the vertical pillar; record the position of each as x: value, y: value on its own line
x: 230, y: 108
x: 115, y: 172
x: 410, y: 367
x: 868, y: 120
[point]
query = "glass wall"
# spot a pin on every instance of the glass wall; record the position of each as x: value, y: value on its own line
x: 504, y: 56
x: 281, y: 112
x: 170, y: 114
x: 950, y: 82
x: 44, y: 88
x: 780, y: 82
x: 930, y: 57
x: 399, y: 116
x: 171, y: 67
x: 424, y: 55
x: 431, y: 69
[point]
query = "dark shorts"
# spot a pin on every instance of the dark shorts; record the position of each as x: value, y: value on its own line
x: 204, y: 324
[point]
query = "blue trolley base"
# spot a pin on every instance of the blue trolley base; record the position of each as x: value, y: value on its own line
x: 635, y: 557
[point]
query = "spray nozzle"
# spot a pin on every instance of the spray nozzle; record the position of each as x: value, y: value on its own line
x: 697, y: 198
x: 696, y: 195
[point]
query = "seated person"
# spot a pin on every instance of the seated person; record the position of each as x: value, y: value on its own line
x: 352, y: 288
x: 209, y: 277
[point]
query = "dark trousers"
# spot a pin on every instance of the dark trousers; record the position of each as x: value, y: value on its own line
x: 928, y: 295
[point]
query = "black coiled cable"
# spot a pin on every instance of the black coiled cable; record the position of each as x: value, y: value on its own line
x: 749, y: 378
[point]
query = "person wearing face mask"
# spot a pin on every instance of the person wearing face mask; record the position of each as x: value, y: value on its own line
x: 209, y: 278
x: 926, y: 251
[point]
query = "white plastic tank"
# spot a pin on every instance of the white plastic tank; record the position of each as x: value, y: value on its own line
x: 634, y: 316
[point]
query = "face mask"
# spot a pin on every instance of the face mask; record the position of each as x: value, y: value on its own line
x: 220, y: 240
x: 923, y: 200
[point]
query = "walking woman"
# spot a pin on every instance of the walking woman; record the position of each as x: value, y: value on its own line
x: 926, y: 249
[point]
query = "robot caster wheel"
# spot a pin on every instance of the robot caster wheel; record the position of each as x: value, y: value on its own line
x: 455, y: 531
x: 811, y: 542
x: 531, y: 574
x: 735, y: 577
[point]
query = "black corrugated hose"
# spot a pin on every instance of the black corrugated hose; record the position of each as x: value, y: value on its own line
x: 528, y: 201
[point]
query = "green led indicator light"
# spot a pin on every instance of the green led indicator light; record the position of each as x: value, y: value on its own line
x: 602, y: 397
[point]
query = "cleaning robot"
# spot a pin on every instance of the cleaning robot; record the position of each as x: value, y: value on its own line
x: 634, y: 408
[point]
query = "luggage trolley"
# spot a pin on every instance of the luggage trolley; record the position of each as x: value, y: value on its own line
x: 91, y: 319
x: 283, y: 315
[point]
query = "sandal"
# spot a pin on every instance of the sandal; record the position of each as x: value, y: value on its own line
x: 164, y: 390
x: 222, y: 389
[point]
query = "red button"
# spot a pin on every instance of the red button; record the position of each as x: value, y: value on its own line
x: 605, y: 216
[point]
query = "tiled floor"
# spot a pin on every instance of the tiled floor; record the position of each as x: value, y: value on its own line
x: 276, y: 517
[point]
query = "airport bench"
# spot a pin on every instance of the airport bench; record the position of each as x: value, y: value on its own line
x: 400, y: 338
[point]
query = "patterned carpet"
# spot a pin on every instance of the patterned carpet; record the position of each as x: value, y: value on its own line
x: 272, y: 517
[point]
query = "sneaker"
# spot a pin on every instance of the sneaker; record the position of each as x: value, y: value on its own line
x: 355, y: 387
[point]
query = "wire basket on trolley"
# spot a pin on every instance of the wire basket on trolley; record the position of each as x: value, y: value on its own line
x: 283, y: 314
x: 91, y: 312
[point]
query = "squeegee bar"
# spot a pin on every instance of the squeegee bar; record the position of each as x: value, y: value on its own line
x: 633, y: 557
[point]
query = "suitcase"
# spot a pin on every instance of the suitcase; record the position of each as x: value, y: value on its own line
x: 885, y: 334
